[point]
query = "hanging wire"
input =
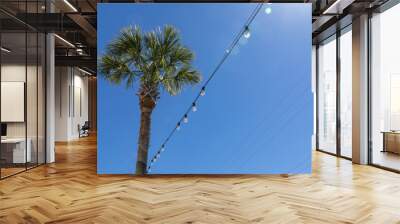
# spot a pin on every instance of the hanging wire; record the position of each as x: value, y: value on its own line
x: 193, y: 106
x: 248, y: 138
x: 290, y: 113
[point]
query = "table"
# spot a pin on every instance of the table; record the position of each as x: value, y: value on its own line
x: 391, y: 141
x: 13, y: 150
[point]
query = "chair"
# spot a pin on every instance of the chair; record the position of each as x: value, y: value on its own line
x: 84, y: 130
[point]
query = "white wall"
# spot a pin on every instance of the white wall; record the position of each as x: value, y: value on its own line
x: 62, y: 83
x: 14, y: 73
x: 81, y: 89
x: 33, y: 126
x: 71, y: 94
x: 17, y: 73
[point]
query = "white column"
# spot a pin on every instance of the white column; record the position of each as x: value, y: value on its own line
x: 50, y: 99
x: 360, y: 90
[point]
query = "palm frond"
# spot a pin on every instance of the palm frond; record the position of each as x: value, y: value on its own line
x: 170, y: 38
x: 116, y: 70
x: 174, y: 83
x: 128, y: 44
x: 157, y: 59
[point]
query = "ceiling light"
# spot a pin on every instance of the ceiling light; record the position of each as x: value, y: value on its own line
x: 84, y: 71
x: 338, y: 6
x: 5, y: 50
x: 64, y: 40
x: 70, y: 5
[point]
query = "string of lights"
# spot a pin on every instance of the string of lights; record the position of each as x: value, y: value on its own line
x: 244, y: 32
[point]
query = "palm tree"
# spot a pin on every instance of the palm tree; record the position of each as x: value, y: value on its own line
x: 156, y: 61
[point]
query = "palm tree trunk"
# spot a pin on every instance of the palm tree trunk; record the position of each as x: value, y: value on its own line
x: 146, y: 108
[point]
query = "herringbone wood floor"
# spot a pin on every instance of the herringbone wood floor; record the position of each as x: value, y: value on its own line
x: 69, y: 191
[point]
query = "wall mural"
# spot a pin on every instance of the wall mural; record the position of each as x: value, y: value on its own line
x: 204, y: 89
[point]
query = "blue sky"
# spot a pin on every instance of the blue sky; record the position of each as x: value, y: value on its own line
x: 256, y: 117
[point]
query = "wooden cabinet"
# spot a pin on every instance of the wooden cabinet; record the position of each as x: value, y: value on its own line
x: 391, y: 142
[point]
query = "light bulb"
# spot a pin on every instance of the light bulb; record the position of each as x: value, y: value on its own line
x: 149, y: 170
x: 268, y: 10
x: 247, y: 33
x: 162, y: 148
x: 203, y: 91
x: 158, y: 155
x: 178, y: 126
x: 194, y: 108
x: 185, y: 119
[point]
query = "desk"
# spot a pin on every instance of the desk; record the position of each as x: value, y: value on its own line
x: 391, y: 141
x: 13, y: 150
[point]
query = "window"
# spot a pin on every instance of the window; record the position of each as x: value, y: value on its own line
x: 327, y: 95
x: 385, y: 89
x: 346, y: 92
x: 22, y: 90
